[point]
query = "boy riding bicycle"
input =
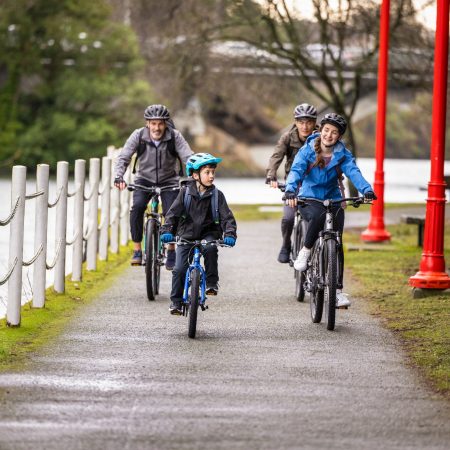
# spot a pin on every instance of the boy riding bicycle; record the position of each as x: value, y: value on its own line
x: 200, y: 212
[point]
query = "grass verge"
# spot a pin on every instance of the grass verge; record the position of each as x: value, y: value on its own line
x: 39, y: 325
x: 422, y: 324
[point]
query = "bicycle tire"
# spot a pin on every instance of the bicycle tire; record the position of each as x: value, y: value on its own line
x: 330, y: 283
x: 316, y: 294
x: 194, y: 302
x: 150, y: 260
x: 300, y: 231
x: 158, y: 256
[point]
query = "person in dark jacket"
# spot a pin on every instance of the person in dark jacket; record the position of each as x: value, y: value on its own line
x: 198, y: 222
x: 288, y: 145
x: 164, y: 148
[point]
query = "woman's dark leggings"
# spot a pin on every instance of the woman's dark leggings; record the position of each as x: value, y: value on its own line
x: 314, y: 213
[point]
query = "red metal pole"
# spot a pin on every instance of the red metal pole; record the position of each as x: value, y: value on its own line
x: 376, y: 231
x: 432, y: 273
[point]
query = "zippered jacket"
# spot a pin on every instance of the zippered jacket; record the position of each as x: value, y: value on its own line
x: 198, y: 222
x: 321, y: 183
x: 156, y: 164
x: 287, y: 147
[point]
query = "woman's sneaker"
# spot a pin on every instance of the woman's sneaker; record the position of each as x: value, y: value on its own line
x: 301, y: 263
x: 342, y: 300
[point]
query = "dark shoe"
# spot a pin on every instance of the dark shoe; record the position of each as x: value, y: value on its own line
x: 175, y: 309
x: 170, y: 260
x: 136, y: 259
x: 283, y: 256
x: 212, y: 289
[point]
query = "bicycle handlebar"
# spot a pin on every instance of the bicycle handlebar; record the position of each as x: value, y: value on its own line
x: 202, y: 242
x: 152, y: 189
x: 354, y: 201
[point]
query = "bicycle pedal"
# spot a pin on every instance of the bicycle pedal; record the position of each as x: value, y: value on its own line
x: 204, y: 307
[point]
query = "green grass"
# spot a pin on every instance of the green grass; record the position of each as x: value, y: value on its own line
x: 381, y: 277
x: 40, y: 325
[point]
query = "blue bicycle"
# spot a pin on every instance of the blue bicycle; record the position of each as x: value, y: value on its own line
x: 194, y: 293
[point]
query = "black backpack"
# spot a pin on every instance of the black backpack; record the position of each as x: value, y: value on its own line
x: 170, y: 148
x: 214, y: 204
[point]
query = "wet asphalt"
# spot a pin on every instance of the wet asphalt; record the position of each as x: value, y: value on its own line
x: 259, y: 375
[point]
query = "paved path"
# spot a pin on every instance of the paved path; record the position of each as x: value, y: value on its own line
x: 260, y: 375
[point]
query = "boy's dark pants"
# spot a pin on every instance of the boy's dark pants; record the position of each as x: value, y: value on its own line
x: 210, y: 254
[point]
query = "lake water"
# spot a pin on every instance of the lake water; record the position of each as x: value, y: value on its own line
x: 405, y: 182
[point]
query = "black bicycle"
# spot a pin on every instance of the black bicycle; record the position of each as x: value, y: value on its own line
x: 154, y: 253
x: 324, y: 274
x: 298, y: 238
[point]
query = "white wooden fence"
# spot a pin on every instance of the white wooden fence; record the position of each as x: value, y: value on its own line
x: 91, y: 238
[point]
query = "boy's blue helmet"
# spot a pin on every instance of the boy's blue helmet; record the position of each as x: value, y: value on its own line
x: 198, y: 160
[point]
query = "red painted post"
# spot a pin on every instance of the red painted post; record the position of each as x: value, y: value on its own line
x: 432, y: 273
x: 376, y: 231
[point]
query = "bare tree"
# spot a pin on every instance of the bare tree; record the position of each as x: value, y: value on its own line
x: 334, y: 56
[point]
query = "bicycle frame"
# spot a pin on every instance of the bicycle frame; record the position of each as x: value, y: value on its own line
x: 196, y: 264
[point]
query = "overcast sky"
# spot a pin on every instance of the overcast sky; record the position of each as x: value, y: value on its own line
x: 304, y: 7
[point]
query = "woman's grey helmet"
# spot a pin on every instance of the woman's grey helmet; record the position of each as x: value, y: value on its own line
x: 305, y: 111
x: 335, y: 119
x: 156, y: 112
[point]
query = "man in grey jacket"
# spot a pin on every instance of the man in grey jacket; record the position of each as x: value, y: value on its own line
x: 289, y: 144
x: 160, y: 148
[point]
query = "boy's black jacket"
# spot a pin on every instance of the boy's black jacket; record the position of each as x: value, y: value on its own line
x: 198, y: 222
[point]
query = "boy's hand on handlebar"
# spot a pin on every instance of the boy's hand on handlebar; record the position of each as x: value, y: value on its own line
x: 167, y: 237
x: 119, y: 182
x: 370, y: 195
x: 230, y: 241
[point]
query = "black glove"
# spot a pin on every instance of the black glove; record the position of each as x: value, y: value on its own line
x: 370, y: 195
x: 118, y: 181
x: 270, y: 179
x: 288, y: 195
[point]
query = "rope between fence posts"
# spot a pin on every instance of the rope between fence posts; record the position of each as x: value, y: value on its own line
x: 10, y: 271
x: 88, y: 197
x: 34, y: 258
x: 50, y: 266
x: 89, y: 231
x: 51, y: 205
x: 13, y: 212
x: 34, y: 195
x: 73, y: 239
x: 71, y: 194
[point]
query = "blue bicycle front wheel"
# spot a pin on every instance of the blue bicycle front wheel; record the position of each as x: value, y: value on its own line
x: 194, y: 297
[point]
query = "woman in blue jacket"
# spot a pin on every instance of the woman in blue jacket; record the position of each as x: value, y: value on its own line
x: 318, y: 167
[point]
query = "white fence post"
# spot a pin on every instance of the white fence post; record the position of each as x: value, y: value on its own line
x: 18, y: 191
x: 105, y: 208
x: 125, y: 196
x: 62, y: 179
x: 40, y: 235
x: 115, y: 219
x: 92, y: 229
x: 78, y: 219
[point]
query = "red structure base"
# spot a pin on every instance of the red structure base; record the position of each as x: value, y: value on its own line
x: 430, y: 280
x: 375, y: 235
